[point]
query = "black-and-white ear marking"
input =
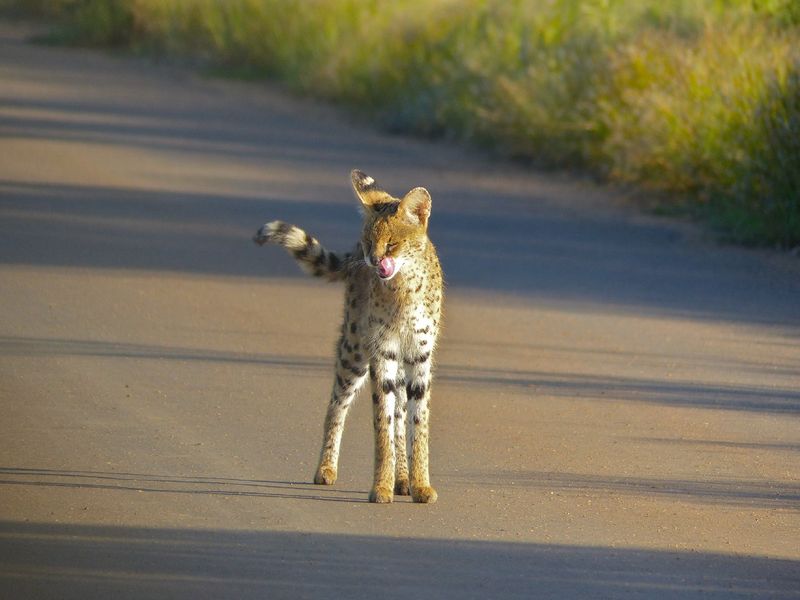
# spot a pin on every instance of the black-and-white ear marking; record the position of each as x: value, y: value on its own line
x: 362, y: 182
x: 417, y: 204
x: 368, y: 191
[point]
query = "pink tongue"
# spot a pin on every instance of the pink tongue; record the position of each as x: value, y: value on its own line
x: 386, y: 267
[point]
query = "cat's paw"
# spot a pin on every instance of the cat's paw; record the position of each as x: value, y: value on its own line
x: 380, y: 495
x: 401, y: 487
x: 326, y: 475
x: 424, y: 495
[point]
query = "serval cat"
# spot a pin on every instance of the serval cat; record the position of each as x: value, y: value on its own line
x: 393, y: 306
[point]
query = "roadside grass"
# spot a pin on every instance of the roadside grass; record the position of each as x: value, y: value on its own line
x: 696, y: 98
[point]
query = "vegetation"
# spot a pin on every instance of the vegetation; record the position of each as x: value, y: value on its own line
x: 698, y: 98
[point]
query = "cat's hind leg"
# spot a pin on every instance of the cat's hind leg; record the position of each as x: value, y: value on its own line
x: 351, y: 372
x: 401, y: 486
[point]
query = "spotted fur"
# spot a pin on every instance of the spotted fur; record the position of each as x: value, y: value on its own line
x: 313, y: 258
x: 392, y: 311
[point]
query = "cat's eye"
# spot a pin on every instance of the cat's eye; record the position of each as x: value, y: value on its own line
x: 391, y: 246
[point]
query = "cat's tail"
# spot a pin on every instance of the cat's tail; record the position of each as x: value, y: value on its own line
x: 312, y: 256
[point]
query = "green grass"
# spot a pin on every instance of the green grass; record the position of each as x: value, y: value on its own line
x: 696, y: 98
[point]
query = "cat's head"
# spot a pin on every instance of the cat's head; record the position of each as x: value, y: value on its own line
x: 394, y: 229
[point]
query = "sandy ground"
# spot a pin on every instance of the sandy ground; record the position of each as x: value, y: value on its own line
x: 616, y: 411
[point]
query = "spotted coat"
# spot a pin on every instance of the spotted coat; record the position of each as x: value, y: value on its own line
x: 392, y: 313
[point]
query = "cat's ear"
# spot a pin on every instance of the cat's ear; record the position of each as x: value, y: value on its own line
x: 368, y: 190
x: 417, y: 205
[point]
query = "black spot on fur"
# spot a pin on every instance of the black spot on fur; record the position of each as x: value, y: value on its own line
x: 388, y: 354
x: 353, y: 327
x: 375, y: 398
x: 418, y: 360
x: 415, y: 391
x: 389, y: 386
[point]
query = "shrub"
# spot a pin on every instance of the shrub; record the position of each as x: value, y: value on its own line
x: 695, y: 97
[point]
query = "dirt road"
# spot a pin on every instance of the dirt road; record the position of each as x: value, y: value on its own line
x: 616, y: 411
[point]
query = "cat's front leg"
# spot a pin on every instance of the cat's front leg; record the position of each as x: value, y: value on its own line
x: 418, y: 390
x: 383, y: 376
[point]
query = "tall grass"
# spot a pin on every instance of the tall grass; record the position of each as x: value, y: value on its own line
x: 699, y: 98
